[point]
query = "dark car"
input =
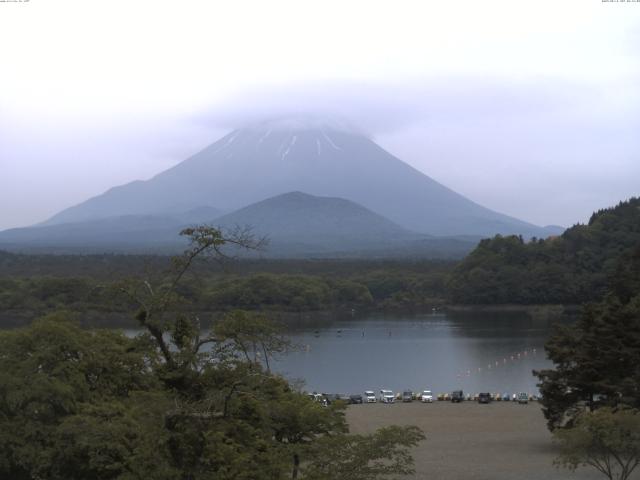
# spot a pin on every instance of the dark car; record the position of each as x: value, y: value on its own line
x: 457, y: 396
x: 407, y: 396
x: 331, y: 397
x: 355, y: 399
x: 484, y: 398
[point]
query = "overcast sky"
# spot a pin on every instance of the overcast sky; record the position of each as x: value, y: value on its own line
x: 531, y: 108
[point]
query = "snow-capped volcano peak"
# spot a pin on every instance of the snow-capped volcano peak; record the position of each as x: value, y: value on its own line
x: 317, y: 155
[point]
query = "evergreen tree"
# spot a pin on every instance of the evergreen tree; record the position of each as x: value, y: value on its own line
x: 597, y: 360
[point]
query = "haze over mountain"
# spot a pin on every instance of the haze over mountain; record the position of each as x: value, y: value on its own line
x: 133, y: 233
x: 298, y: 224
x: 295, y: 224
x: 314, y: 219
x: 309, y: 155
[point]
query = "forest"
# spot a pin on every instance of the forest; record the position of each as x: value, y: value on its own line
x: 173, y: 402
x: 569, y: 269
x: 572, y: 268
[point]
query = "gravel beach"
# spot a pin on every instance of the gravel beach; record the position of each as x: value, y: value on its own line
x: 465, y: 441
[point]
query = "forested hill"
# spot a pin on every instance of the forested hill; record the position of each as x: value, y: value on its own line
x: 572, y: 268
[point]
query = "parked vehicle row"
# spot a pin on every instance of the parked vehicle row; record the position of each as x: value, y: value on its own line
x: 426, y: 396
x: 486, y: 397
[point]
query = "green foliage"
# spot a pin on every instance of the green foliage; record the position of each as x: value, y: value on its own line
x: 327, y: 286
x: 571, y: 269
x: 349, y: 457
x: 83, y: 404
x: 607, y: 440
x: 289, y: 291
x: 597, y: 359
x: 73, y: 403
x: 43, y: 293
x: 252, y: 334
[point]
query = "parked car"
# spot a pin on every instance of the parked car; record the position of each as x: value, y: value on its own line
x: 506, y: 397
x: 407, y: 396
x: 523, y: 397
x: 457, y: 396
x: 426, y: 397
x: 387, y: 396
x: 370, y: 396
x: 355, y: 399
x: 331, y: 397
x: 484, y: 397
x: 318, y: 397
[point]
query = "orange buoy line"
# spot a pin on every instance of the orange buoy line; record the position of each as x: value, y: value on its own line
x: 496, y: 364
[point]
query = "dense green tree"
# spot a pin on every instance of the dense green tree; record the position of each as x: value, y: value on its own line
x: 597, y: 359
x: 174, y: 402
x: 573, y: 268
x: 607, y: 440
x: 73, y: 404
x: 350, y: 456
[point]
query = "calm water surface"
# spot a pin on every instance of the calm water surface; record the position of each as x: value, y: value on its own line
x: 441, y: 352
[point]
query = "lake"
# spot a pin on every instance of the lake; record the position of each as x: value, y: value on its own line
x: 442, y: 352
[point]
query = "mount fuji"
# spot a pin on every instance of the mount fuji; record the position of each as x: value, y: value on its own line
x: 300, y: 154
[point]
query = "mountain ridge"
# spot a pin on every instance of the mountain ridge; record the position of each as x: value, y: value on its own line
x: 297, y: 225
x: 258, y: 162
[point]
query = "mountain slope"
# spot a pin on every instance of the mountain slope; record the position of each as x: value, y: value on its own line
x: 115, y: 233
x: 316, y: 157
x: 301, y: 225
x: 296, y: 224
x: 302, y: 217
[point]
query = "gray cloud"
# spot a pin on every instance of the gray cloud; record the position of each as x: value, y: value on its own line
x: 382, y: 108
x: 544, y: 149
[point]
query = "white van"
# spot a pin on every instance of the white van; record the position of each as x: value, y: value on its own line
x: 387, y: 396
x: 426, y: 396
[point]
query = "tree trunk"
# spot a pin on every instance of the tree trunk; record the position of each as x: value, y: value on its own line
x: 296, y: 466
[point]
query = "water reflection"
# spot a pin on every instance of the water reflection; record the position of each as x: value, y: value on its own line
x: 472, y: 351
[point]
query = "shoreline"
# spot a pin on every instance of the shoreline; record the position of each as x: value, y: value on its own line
x: 511, y: 307
x: 116, y: 319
